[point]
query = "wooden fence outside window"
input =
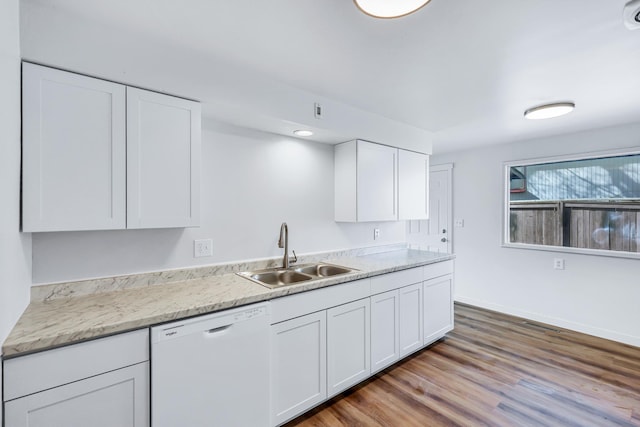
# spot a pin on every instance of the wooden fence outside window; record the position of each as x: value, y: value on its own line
x: 578, y: 224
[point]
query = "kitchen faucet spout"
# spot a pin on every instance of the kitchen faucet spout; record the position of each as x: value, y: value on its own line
x: 283, y: 242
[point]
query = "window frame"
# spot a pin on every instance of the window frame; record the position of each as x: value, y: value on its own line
x: 506, y: 198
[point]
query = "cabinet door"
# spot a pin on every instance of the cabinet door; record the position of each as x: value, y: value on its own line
x: 376, y: 182
x: 413, y: 177
x: 117, y: 398
x: 438, y: 307
x: 73, y: 143
x: 410, y: 308
x: 298, y: 366
x: 163, y: 160
x: 384, y: 330
x: 348, y: 345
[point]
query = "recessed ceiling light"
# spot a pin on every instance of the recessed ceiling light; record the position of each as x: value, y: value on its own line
x: 389, y: 8
x: 302, y: 132
x: 549, y: 111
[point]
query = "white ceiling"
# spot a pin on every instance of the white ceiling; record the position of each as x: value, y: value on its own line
x: 462, y: 70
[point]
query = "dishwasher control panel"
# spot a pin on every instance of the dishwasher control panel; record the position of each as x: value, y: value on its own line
x: 212, y: 323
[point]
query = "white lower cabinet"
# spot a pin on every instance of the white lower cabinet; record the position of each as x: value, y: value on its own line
x: 298, y: 365
x: 396, y: 325
x: 348, y: 345
x: 438, y: 307
x: 385, y: 330
x: 410, y: 318
x: 99, y: 383
x: 118, y: 398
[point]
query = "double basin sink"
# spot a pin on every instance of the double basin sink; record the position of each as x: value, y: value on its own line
x: 278, y: 277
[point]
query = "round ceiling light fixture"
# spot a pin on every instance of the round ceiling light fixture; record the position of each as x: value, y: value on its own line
x: 389, y: 8
x: 549, y: 111
x: 631, y: 15
x: 302, y: 132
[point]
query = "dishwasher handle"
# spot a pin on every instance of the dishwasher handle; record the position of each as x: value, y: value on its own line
x: 217, y: 331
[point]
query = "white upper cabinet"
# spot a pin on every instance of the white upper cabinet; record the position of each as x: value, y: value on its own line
x: 365, y: 182
x: 163, y: 163
x: 74, y: 152
x: 413, y: 174
x: 375, y: 182
x: 99, y: 155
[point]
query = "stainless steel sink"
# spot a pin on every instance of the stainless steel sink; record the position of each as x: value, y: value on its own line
x: 322, y: 270
x: 278, y: 277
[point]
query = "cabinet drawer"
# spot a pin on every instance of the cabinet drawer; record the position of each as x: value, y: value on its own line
x: 40, y: 371
x: 438, y: 269
x: 398, y: 279
x: 320, y: 299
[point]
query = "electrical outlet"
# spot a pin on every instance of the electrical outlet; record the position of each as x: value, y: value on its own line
x: 202, y: 248
x: 458, y: 223
x: 558, y: 263
x: 376, y: 233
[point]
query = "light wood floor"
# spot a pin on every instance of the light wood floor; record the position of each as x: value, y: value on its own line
x: 497, y: 370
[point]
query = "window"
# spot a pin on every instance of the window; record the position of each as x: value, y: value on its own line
x: 583, y: 205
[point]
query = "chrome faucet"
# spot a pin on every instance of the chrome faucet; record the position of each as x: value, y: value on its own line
x: 284, y: 235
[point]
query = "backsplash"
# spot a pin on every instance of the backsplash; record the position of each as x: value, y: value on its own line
x: 108, y: 284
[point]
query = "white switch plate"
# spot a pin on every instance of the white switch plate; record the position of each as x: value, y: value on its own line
x: 376, y: 233
x: 202, y: 248
x: 458, y: 223
x: 558, y: 263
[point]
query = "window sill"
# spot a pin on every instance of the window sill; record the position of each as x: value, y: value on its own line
x: 578, y: 251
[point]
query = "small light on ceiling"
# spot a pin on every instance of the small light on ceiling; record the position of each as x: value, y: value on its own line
x: 389, y: 8
x: 549, y: 111
x: 302, y: 132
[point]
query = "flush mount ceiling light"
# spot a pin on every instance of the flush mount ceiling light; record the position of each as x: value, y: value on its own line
x: 302, y: 132
x: 389, y: 8
x: 631, y: 15
x: 549, y: 111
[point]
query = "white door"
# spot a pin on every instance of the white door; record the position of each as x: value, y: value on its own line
x: 437, y: 236
x: 163, y: 160
x: 74, y: 148
x: 384, y: 330
x: 298, y: 365
x: 376, y: 182
x: 117, y: 398
x: 348, y: 345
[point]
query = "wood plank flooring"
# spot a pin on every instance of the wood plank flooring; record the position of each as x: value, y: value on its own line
x: 497, y: 370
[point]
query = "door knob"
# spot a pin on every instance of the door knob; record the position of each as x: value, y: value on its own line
x: 444, y: 239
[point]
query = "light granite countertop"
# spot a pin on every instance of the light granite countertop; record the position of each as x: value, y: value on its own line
x: 67, y: 313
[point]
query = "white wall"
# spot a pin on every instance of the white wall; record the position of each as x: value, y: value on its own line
x: 251, y: 182
x: 596, y: 295
x: 15, y: 248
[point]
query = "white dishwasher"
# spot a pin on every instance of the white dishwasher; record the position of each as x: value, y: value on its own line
x: 212, y: 370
